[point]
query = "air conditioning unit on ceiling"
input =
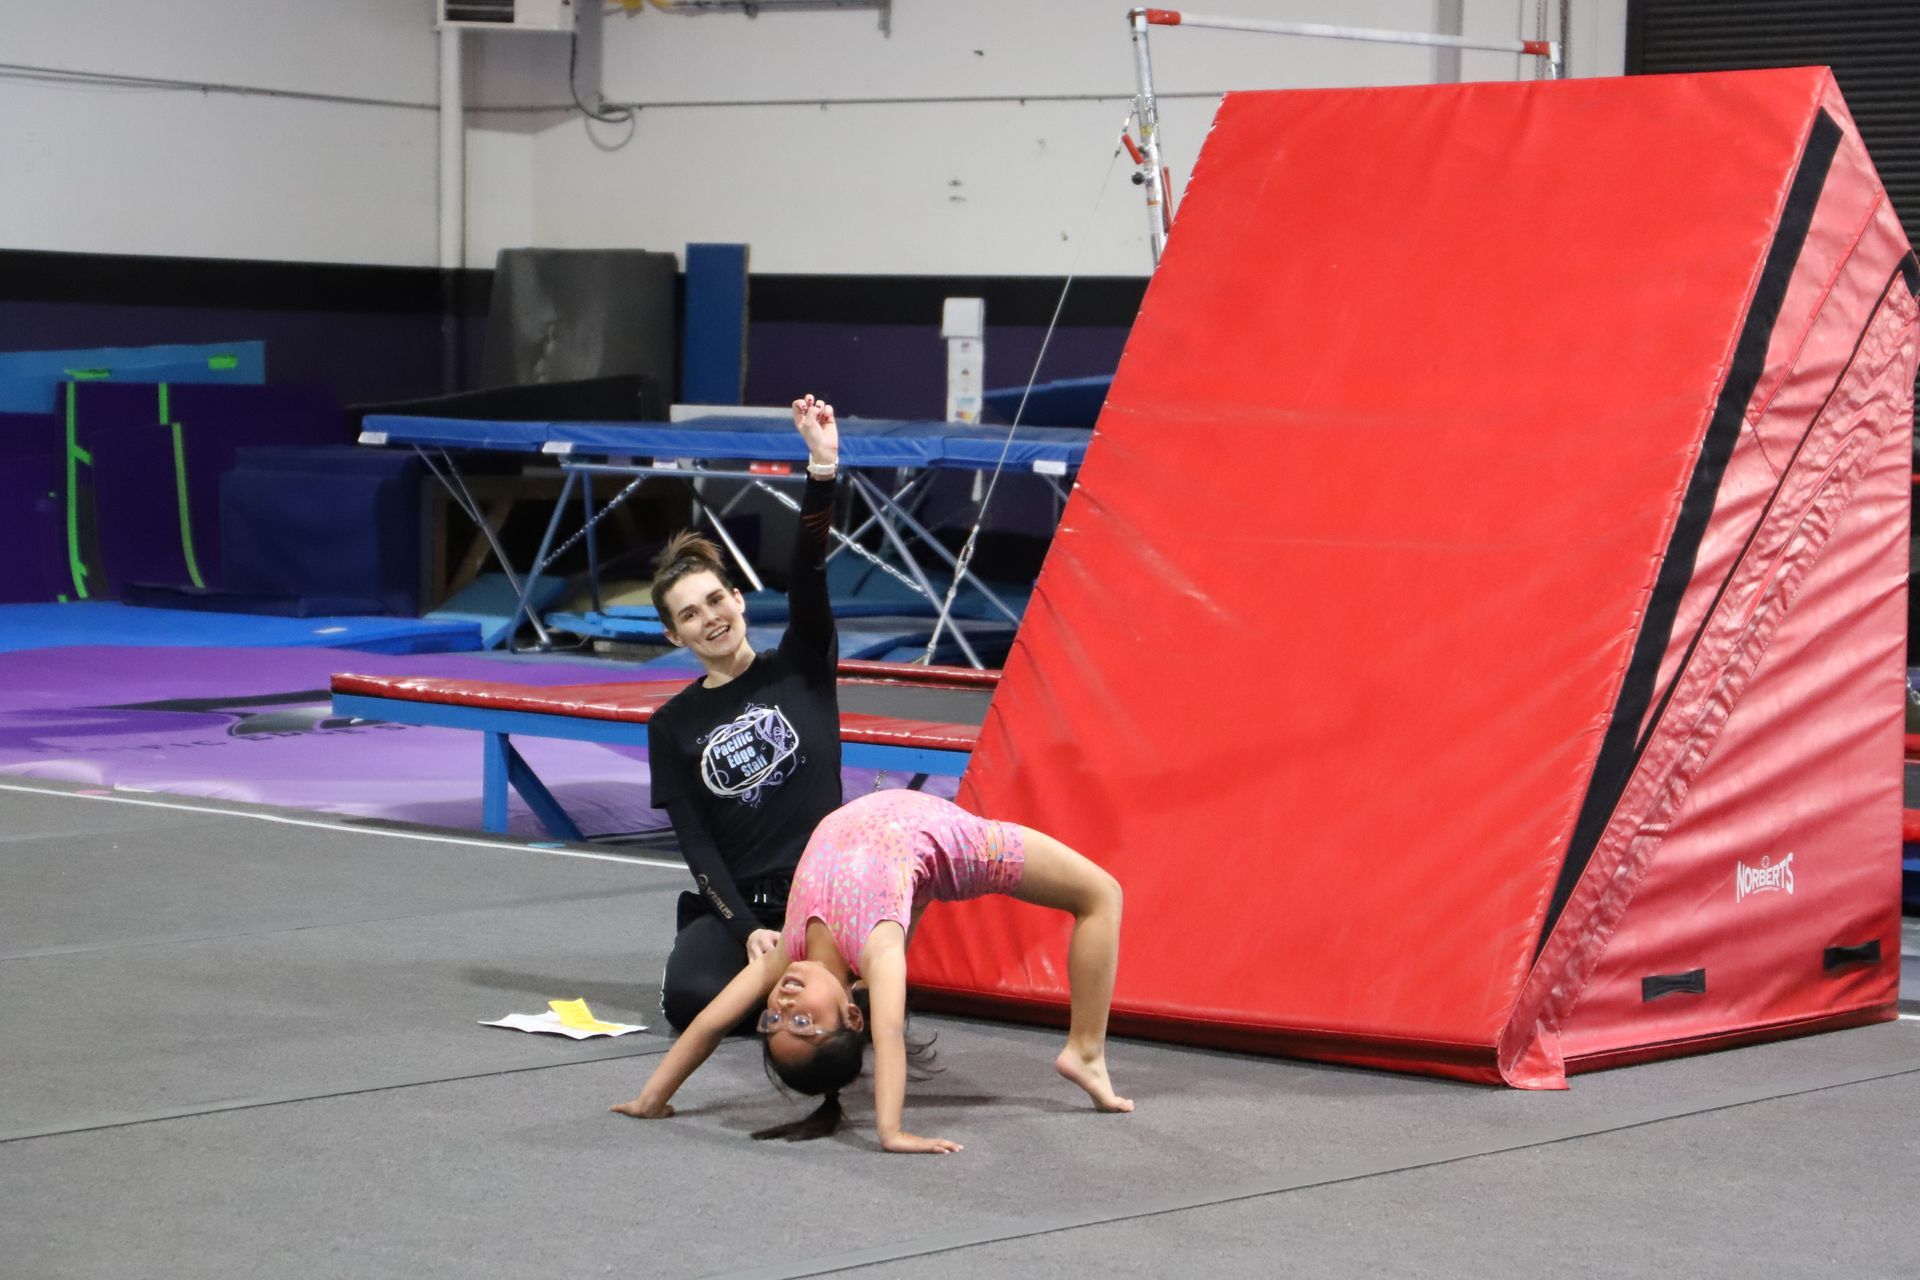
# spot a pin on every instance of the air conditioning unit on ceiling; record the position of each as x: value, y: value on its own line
x: 508, y: 15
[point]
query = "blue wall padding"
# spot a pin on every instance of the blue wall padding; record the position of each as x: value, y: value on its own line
x: 30, y: 380
x: 713, y: 358
x: 324, y: 523
x: 1066, y: 402
x: 129, y: 526
x: 32, y: 543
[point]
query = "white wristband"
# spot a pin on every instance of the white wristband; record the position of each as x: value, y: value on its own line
x: 822, y: 470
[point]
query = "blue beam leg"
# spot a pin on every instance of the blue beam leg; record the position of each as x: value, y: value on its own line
x: 502, y: 766
x: 538, y: 798
x: 493, y: 782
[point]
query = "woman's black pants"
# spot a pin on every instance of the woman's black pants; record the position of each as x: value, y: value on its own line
x: 705, y: 958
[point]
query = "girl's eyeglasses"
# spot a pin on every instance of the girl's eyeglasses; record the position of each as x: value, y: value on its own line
x: 799, y: 1024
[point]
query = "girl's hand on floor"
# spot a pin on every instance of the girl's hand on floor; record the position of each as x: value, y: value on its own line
x: 641, y: 1109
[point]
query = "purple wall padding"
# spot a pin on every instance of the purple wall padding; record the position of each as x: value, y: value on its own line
x: 135, y: 498
x: 32, y: 542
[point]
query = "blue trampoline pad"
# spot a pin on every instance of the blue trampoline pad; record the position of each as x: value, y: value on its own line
x: 455, y: 433
x: 864, y: 442
x: 1044, y: 449
x: 46, y: 626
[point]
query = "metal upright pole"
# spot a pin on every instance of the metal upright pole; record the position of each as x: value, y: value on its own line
x: 1147, y: 111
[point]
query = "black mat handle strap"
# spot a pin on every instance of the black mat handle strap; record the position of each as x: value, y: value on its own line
x: 1846, y: 957
x: 1691, y: 983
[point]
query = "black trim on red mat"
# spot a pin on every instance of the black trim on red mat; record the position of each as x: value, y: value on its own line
x: 1620, y: 750
x: 1673, y: 682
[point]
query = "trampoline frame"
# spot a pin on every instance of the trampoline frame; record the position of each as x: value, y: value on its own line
x: 891, y: 507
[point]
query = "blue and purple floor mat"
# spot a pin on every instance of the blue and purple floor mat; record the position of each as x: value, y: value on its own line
x: 256, y: 725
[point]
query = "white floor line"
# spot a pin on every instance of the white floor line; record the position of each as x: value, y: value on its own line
x: 430, y: 837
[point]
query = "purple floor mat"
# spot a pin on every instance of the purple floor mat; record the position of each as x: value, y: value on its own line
x: 255, y: 725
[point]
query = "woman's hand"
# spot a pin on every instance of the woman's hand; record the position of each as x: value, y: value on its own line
x: 815, y: 422
x: 911, y: 1144
x: 761, y: 941
x: 643, y: 1108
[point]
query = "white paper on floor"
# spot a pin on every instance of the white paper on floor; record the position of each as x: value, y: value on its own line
x: 570, y: 1018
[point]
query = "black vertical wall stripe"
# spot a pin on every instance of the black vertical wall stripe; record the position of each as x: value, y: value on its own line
x: 1619, y: 750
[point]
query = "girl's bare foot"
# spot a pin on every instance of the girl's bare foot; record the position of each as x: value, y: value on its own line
x: 1090, y: 1073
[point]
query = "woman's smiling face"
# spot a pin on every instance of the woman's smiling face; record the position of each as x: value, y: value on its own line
x: 706, y: 616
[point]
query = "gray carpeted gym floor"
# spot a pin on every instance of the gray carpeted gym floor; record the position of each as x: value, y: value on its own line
x: 245, y: 1043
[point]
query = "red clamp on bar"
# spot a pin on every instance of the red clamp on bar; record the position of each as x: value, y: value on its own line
x: 1539, y: 48
x: 1126, y: 140
x: 769, y: 468
x: 1163, y: 17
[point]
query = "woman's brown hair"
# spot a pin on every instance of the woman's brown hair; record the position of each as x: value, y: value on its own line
x: 686, y: 553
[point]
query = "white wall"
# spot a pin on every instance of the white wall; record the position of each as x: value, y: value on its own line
x: 171, y: 171
x: 910, y: 180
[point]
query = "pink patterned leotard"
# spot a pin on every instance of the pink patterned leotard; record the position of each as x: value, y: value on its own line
x: 878, y: 857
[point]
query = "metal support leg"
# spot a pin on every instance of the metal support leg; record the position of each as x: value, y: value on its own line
x: 913, y: 567
x: 540, y: 562
x: 593, y: 545
x: 538, y: 798
x: 919, y: 481
x: 918, y: 588
x: 953, y: 562
x: 720, y: 530
x: 456, y: 486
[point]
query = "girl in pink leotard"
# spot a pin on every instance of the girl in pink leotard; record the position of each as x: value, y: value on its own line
x: 866, y: 874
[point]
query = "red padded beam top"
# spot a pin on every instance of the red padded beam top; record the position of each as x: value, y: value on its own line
x: 914, y: 673
x: 635, y: 702
x: 628, y: 700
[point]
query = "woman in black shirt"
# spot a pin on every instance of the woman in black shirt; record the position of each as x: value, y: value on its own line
x: 746, y: 760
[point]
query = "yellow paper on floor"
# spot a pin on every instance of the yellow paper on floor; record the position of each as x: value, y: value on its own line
x: 570, y: 1018
x: 575, y: 1014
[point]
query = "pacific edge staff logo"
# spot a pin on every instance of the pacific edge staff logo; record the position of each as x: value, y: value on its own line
x: 748, y: 754
x: 1768, y: 877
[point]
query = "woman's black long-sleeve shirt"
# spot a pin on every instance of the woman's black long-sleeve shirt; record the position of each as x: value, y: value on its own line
x: 747, y: 770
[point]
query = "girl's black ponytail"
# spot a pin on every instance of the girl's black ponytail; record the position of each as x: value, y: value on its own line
x: 834, y: 1064
x: 821, y: 1122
